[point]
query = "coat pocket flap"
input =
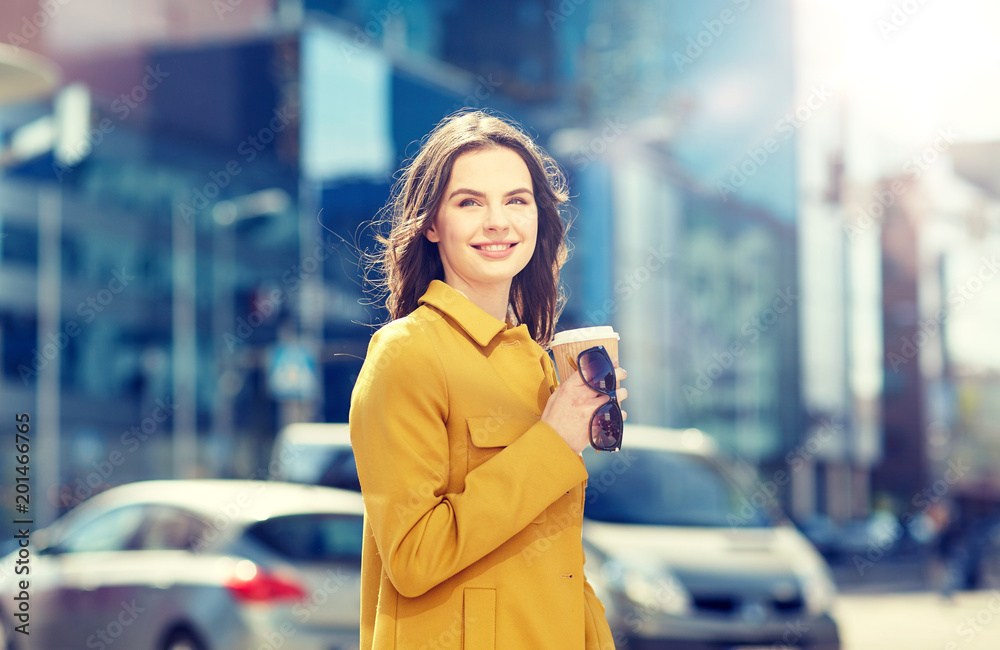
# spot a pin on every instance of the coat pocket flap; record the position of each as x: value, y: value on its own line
x: 480, y: 619
x: 497, y: 430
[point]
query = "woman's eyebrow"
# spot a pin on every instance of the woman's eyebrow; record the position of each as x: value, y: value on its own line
x: 482, y: 195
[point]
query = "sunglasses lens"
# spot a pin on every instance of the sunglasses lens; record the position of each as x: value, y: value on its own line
x: 606, y: 426
x: 597, y: 370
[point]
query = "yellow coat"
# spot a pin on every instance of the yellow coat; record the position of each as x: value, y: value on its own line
x: 473, y: 505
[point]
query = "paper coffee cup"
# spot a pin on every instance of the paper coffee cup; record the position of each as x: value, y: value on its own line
x: 569, y: 344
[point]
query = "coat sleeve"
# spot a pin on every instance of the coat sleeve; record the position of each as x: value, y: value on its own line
x: 424, y: 533
x: 598, y: 633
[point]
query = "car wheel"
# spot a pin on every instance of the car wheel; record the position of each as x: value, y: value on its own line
x: 182, y: 640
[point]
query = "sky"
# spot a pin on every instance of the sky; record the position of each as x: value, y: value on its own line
x: 913, y: 66
x: 907, y: 72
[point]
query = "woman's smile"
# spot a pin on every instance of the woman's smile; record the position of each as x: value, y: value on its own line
x: 495, y: 251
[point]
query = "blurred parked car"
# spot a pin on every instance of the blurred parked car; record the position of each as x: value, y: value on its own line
x: 824, y: 533
x: 315, y: 453
x: 194, y: 565
x: 683, y: 557
x: 676, y: 549
x: 880, y: 535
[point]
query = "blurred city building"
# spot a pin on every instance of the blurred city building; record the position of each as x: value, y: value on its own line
x: 181, y: 224
x: 898, y: 218
x: 684, y: 242
x: 115, y: 273
x: 183, y: 218
x: 677, y: 127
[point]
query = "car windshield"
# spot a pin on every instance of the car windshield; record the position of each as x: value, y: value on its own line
x: 332, y: 466
x: 662, y: 488
x: 341, y: 472
x: 312, y: 537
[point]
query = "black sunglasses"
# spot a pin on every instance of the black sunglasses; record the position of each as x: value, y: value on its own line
x: 598, y: 372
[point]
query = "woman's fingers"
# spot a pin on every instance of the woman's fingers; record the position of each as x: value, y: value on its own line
x: 570, y: 409
x: 619, y: 375
x: 572, y: 405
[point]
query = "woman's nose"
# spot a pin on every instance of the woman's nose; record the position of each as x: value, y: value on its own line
x: 496, y: 220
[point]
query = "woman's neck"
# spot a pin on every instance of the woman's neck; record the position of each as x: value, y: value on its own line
x: 492, y: 300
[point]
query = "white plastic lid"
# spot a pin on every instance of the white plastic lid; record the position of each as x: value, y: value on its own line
x: 585, y: 334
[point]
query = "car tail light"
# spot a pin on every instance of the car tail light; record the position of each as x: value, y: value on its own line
x: 250, y: 583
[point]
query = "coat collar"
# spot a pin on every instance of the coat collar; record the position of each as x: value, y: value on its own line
x: 477, y: 323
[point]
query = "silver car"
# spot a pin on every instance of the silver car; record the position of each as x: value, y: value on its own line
x: 683, y: 557
x: 315, y: 453
x: 193, y: 565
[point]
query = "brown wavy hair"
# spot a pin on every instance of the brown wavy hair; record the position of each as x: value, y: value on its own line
x: 408, y: 261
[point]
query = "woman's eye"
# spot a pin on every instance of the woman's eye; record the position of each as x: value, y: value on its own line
x: 470, y: 202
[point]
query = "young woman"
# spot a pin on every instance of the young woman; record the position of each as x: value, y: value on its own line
x: 467, y: 451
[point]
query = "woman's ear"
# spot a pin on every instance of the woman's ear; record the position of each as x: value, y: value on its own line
x: 432, y: 235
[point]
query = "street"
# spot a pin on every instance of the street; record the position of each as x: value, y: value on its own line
x: 922, y: 620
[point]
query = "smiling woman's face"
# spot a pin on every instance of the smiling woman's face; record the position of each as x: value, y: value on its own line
x: 487, y: 225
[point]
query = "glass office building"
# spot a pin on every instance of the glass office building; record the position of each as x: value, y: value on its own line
x: 207, y: 227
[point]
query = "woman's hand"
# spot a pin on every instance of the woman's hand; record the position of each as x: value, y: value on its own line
x: 572, y: 405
